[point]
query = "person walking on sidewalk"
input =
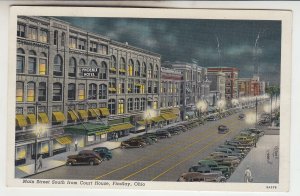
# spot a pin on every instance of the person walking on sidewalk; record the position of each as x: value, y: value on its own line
x: 40, y: 162
x: 76, y: 144
x: 116, y: 137
x: 248, y: 175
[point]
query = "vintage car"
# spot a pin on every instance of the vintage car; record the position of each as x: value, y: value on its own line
x: 214, y: 166
x: 224, y: 159
x: 241, y: 116
x: 133, y: 144
x: 201, y: 177
x: 142, y: 139
x: 230, y: 152
x: 256, y: 131
x: 234, y: 148
x: 245, y: 140
x: 162, y: 134
x: 103, y: 152
x: 222, y: 129
x: 84, y: 157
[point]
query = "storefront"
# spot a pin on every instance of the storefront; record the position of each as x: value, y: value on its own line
x: 120, y: 127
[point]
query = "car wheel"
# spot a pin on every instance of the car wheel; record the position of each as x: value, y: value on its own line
x: 92, y: 163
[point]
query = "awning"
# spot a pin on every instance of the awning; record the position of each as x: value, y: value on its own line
x: 83, y: 114
x: 112, y: 69
x: 71, y: 115
x: 58, y: 116
x: 64, y: 140
x: 169, y: 116
x: 86, y: 129
x: 43, y: 118
x: 122, y: 70
x: 121, y: 127
x: 93, y: 112
x: 20, y: 120
x: 104, y: 111
x: 112, y: 89
x: 157, y: 119
x: 31, y: 119
x: 176, y: 110
x: 141, y: 122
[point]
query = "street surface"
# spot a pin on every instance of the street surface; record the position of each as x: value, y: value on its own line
x: 165, y: 160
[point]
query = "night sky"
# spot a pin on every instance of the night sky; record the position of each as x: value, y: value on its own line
x: 197, y: 41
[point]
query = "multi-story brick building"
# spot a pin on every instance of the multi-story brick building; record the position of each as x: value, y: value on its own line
x: 231, y: 75
x: 250, y: 87
x: 74, y: 83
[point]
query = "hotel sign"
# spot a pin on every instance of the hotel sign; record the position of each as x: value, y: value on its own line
x: 88, y: 72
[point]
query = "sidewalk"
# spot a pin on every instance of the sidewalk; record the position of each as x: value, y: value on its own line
x: 59, y: 160
x: 263, y: 170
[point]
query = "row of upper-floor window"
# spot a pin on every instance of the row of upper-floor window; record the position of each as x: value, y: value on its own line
x: 133, y: 86
x: 39, y: 91
x: 170, y: 101
x: 38, y: 64
x: 133, y: 104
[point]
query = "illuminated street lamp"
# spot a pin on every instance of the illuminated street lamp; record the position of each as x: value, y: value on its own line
x: 148, y: 115
x: 234, y: 102
x: 221, y: 105
x: 201, y: 106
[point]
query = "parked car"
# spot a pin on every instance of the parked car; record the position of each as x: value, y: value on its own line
x: 180, y: 128
x: 234, y: 149
x: 256, y: 131
x: 223, y: 159
x: 173, y: 131
x: 162, y: 134
x: 151, y: 135
x: 249, y: 135
x: 149, y: 138
x: 230, y: 152
x: 132, y: 144
x: 84, y: 157
x: 145, y: 140
x: 103, y: 152
x: 239, y: 145
x: 245, y: 140
x: 213, y: 165
x: 201, y: 177
x: 241, y: 116
x: 222, y: 129
x: 212, y: 118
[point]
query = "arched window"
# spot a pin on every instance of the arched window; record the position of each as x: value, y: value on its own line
x: 156, y: 70
x: 112, y: 106
x: 20, y: 60
x: 19, y: 91
x: 103, y: 70
x: 136, y: 104
x: 72, y: 67
x: 58, y: 66
x: 82, y: 62
x: 102, y: 91
x: 122, y: 66
x: 137, y: 68
x: 63, y: 39
x: 121, y: 106
x: 42, y: 94
x: 43, y: 64
x: 32, y: 62
x: 130, y: 68
x: 93, y: 63
x: 150, y: 70
x: 144, y: 70
x: 57, y: 91
x: 130, y: 104
x: 30, y: 92
x: 92, y: 91
x: 71, y: 91
x: 81, y: 91
x: 55, y: 40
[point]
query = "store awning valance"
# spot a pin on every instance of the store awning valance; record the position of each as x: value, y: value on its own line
x: 157, y: 119
x: 121, y: 127
x: 122, y: 70
x: 93, y: 112
x: 64, y: 140
x: 58, y: 116
x: 20, y: 120
x: 169, y: 116
x: 86, y: 129
x: 31, y: 119
x: 104, y: 111
x: 83, y: 114
x: 72, y: 115
x: 43, y: 118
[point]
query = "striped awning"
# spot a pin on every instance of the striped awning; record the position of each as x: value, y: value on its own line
x: 64, y: 140
x: 104, y: 111
x: 83, y: 114
x: 20, y: 120
x: 43, y: 118
x: 175, y: 110
x: 31, y: 119
x: 72, y: 115
x: 112, y: 89
x: 169, y: 116
x: 122, y: 70
x: 157, y: 119
x: 92, y: 112
x: 121, y: 127
x: 58, y: 116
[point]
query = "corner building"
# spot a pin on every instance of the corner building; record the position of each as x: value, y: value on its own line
x: 54, y: 94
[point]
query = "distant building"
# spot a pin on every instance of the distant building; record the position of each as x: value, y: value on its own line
x: 217, y: 87
x: 250, y: 87
x: 231, y: 75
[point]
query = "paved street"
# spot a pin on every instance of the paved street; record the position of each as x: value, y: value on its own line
x: 163, y: 161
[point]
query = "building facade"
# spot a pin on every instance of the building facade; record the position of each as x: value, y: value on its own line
x: 231, y: 75
x: 217, y: 87
x: 251, y: 87
x: 77, y: 85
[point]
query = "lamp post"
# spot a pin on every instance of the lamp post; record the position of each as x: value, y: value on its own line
x: 37, y: 133
x: 148, y: 114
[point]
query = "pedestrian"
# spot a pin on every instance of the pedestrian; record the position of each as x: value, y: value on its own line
x: 40, y: 162
x: 76, y: 144
x: 248, y: 175
x: 116, y: 137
